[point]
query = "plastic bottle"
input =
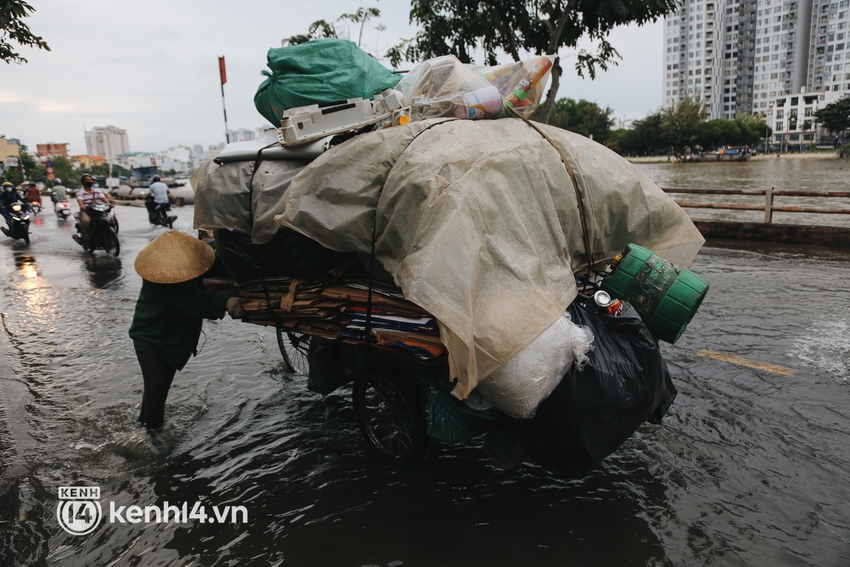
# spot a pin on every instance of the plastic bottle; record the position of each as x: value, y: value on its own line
x: 518, y: 94
x: 485, y: 102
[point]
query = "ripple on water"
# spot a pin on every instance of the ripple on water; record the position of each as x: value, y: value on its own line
x: 826, y: 348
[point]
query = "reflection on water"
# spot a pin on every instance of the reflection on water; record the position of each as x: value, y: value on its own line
x: 26, y: 265
x: 103, y: 270
x: 797, y: 174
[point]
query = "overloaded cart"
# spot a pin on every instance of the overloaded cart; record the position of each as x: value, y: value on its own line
x: 467, y: 269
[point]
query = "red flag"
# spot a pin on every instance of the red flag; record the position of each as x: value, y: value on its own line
x: 221, y: 70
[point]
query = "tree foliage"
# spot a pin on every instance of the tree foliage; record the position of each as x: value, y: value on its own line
x: 325, y: 29
x: 28, y: 164
x: 458, y: 27
x: 673, y: 130
x: 13, y: 31
x: 835, y: 117
x: 583, y: 117
x: 316, y: 30
x: 681, y: 123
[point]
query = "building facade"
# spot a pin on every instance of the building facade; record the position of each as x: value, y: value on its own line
x: 782, y: 47
x: 828, y: 61
x: 744, y: 56
x: 52, y: 150
x: 107, y: 141
x: 9, y: 148
x: 791, y: 117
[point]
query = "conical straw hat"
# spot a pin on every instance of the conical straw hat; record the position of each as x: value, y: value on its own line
x: 174, y: 257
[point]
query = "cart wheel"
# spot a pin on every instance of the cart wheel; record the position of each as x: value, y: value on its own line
x: 293, y: 349
x: 390, y: 417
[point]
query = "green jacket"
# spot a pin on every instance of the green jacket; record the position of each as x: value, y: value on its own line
x: 168, y: 319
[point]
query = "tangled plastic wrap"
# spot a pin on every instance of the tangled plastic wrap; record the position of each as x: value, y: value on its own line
x: 444, y: 86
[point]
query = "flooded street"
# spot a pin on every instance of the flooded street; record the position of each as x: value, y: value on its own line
x: 751, y: 466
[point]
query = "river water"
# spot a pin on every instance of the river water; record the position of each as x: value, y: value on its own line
x: 751, y: 467
x: 789, y: 173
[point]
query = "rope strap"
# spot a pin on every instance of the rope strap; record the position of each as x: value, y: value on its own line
x: 579, y: 202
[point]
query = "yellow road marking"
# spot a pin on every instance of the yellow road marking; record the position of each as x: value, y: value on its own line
x: 740, y: 361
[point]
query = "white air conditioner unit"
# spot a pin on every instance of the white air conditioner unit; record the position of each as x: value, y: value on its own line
x: 306, y: 123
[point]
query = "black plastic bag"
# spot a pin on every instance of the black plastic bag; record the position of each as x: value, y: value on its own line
x: 595, y: 409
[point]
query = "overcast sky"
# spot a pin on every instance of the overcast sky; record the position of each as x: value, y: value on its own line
x: 151, y: 67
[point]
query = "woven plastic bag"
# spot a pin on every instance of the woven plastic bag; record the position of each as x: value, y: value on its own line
x: 316, y: 72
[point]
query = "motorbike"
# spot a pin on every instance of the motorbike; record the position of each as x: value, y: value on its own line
x: 19, y: 223
x: 103, y: 232
x: 158, y: 213
x: 35, y: 207
x: 62, y: 209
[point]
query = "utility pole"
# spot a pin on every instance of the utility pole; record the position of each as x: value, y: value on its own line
x: 223, y: 76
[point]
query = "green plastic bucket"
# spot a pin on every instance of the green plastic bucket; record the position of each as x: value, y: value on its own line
x: 665, y: 296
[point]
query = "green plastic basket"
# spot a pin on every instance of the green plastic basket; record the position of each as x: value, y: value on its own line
x: 450, y: 420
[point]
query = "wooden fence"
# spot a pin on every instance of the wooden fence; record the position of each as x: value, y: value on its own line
x: 769, y: 207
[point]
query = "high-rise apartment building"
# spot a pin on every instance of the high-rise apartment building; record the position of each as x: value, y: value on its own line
x: 782, y: 47
x: 107, y: 141
x: 829, y: 51
x: 690, y: 68
x: 740, y: 55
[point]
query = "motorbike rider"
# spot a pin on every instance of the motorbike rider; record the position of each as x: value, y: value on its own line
x: 158, y: 197
x: 32, y: 193
x: 59, y: 194
x: 9, y: 197
x: 87, y: 196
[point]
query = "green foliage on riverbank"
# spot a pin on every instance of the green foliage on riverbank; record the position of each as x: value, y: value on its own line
x: 684, y: 128
x: 835, y: 117
x: 583, y: 117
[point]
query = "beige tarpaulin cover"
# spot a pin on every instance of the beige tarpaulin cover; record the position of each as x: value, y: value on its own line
x: 225, y: 197
x: 478, y: 224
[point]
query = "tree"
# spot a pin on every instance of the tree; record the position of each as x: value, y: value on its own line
x: 681, y: 123
x: 649, y: 137
x: 621, y: 141
x: 583, y: 117
x: 31, y: 169
x: 457, y: 27
x: 753, y: 128
x: 316, y: 30
x: 835, y: 117
x: 361, y: 16
x: 324, y: 29
x: 14, y: 30
x: 719, y: 132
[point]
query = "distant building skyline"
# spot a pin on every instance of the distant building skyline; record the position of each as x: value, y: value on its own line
x: 107, y: 141
x: 245, y: 134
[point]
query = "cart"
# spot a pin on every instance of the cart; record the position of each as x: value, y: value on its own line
x: 400, y: 399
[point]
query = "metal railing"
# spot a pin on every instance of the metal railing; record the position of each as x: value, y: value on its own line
x: 769, y: 208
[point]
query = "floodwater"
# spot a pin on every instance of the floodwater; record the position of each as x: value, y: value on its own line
x: 788, y: 173
x: 751, y: 467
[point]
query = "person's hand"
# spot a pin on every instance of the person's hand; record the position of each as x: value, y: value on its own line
x: 234, y: 307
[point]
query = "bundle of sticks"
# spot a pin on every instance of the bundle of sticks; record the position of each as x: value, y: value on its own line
x: 339, y: 309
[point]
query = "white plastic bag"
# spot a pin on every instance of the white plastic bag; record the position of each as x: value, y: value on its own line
x: 518, y: 387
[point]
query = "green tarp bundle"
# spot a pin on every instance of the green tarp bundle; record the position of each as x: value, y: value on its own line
x: 319, y: 71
